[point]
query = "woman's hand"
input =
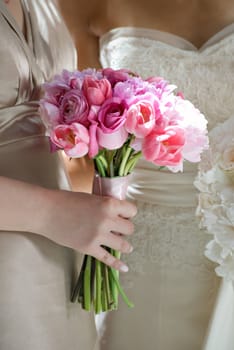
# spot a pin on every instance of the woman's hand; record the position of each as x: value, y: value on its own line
x: 87, y: 222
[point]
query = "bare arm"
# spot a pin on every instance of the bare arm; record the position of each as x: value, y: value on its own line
x: 65, y: 218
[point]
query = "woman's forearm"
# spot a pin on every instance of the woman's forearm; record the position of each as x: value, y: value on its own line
x: 80, y: 221
x: 23, y: 206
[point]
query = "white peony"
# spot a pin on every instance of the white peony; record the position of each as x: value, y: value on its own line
x: 215, y: 182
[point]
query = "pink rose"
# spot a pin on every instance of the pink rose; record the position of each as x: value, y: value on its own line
x: 140, y: 118
x: 164, y: 147
x: 74, y: 108
x: 96, y: 91
x: 111, y: 119
x: 73, y: 139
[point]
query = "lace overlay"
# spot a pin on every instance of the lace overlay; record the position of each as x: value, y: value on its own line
x: 165, y: 237
x: 204, y: 76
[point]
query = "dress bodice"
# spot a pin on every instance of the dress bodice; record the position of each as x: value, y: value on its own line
x: 27, y: 62
x: 203, y: 75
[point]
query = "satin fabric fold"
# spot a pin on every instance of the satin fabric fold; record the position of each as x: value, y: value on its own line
x: 36, y: 275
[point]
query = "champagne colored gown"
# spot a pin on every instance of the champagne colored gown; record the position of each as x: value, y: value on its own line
x: 173, y: 286
x: 35, y: 273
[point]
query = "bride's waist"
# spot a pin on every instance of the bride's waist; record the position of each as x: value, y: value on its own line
x: 163, y: 187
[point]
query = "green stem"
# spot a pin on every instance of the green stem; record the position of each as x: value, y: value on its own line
x: 114, y: 289
x: 107, y: 287
x: 110, y: 154
x: 120, y: 289
x: 103, y: 161
x: 104, y: 300
x: 131, y: 163
x: 87, y: 284
x: 100, y: 168
x: 124, y: 161
x: 98, y: 291
x: 79, y: 283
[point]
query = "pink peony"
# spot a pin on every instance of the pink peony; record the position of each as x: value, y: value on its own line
x: 96, y: 91
x: 55, y: 91
x: 74, y: 108
x: 195, y: 126
x: 73, y: 139
x: 164, y: 147
x: 132, y: 88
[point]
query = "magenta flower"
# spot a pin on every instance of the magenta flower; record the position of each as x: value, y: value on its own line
x: 73, y: 139
x: 115, y: 76
x: 111, y: 119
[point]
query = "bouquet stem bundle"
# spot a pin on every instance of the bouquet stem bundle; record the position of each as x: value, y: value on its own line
x: 98, y: 286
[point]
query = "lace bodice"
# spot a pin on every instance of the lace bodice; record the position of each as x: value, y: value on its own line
x: 202, y: 75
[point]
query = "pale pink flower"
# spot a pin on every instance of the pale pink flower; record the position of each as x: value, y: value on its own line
x: 164, y: 147
x: 73, y: 139
x: 195, y: 126
x: 112, y: 140
x: 140, y: 118
x: 50, y: 114
x: 132, y: 89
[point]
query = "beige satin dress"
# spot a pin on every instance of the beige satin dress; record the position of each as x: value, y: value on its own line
x: 35, y: 273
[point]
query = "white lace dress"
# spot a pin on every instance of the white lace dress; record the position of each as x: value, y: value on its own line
x: 172, y: 284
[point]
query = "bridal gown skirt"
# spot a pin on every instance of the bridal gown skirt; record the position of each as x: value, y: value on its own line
x: 173, y: 287
x: 36, y: 275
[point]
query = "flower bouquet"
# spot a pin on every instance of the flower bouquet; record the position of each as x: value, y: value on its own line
x: 215, y: 181
x: 116, y: 117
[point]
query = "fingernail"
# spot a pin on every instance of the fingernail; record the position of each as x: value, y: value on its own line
x: 130, y: 249
x: 124, y: 268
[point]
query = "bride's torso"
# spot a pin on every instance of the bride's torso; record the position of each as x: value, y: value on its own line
x: 203, y: 75
x: 168, y: 246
